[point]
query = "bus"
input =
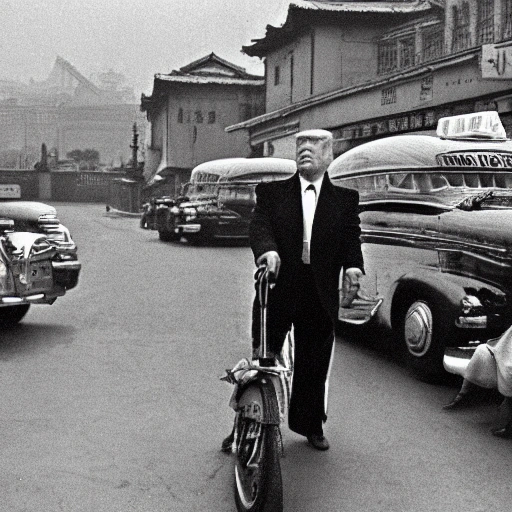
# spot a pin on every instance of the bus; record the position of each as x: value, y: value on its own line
x: 218, y: 201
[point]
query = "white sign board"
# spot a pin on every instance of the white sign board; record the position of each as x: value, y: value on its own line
x: 10, y: 191
x: 497, y: 61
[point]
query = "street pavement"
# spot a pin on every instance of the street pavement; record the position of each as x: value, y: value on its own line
x: 111, y: 399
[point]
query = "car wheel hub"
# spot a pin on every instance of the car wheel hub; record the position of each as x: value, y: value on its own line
x: 418, y: 329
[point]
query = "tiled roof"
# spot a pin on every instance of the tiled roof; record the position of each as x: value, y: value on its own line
x: 196, y: 79
x: 389, y: 6
x: 299, y: 12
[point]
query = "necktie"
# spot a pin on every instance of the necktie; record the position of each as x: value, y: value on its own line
x: 308, y: 209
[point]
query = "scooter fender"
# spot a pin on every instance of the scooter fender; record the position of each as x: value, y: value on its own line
x: 257, y: 400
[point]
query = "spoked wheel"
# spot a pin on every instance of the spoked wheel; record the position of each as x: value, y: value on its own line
x: 258, y: 481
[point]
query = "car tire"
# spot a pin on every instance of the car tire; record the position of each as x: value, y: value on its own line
x: 168, y: 236
x: 12, y: 315
x: 423, y: 337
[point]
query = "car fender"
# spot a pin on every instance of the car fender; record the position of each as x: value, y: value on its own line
x: 445, y: 289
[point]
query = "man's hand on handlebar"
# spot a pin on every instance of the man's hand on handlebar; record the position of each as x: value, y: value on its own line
x: 271, y: 260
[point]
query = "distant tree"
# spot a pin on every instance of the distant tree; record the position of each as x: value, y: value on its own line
x: 91, y: 156
x: 86, y: 159
x: 75, y: 155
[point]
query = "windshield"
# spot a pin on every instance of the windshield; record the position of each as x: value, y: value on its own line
x: 437, y: 187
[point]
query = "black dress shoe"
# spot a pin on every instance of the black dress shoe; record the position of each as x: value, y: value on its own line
x: 505, y: 432
x: 318, y: 441
x: 227, y: 444
x: 460, y: 401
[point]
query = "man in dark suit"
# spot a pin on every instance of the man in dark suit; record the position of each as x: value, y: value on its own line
x: 306, y: 231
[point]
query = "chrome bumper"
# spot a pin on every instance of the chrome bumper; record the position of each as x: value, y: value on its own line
x: 188, y: 228
x: 37, y: 298
x: 456, y: 359
x: 66, y: 265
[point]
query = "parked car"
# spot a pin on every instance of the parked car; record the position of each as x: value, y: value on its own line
x: 436, y: 218
x: 218, y: 201
x: 149, y: 211
x: 38, y: 258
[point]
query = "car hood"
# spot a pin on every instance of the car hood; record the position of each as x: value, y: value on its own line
x: 25, y: 211
x: 489, y: 227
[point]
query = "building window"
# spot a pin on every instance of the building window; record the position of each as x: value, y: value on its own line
x: 406, y: 52
x: 277, y: 77
x: 388, y: 57
x: 507, y: 18
x: 485, y: 21
x: 433, y: 43
x: 461, y: 37
x: 198, y: 117
x: 211, y: 117
x: 388, y: 96
x: 180, y: 116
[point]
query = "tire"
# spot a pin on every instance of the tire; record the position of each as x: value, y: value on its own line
x: 203, y: 238
x: 423, y: 336
x: 12, y: 315
x: 258, y: 485
x: 168, y: 236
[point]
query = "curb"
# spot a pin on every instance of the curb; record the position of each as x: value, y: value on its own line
x: 119, y: 213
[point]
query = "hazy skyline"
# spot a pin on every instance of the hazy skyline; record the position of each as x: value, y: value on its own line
x: 137, y: 39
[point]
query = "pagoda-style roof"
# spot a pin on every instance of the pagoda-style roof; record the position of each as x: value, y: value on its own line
x: 210, y: 69
x: 301, y: 11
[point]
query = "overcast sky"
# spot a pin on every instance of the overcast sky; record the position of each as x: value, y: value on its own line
x: 135, y: 37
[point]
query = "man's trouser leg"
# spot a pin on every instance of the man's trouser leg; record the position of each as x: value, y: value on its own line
x: 314, y: 337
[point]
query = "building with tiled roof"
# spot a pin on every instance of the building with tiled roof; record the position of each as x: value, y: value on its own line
x: 188, y: 112
x: 368, y: 69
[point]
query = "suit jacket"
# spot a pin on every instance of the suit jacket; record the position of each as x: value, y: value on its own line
x: 277, y: 225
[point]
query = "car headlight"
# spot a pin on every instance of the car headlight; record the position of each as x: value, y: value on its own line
x: 57, y: 236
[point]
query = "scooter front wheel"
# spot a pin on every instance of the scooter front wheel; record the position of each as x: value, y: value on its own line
x: 258, y: 481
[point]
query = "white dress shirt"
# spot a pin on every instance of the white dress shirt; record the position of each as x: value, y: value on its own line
x: 309, y: 202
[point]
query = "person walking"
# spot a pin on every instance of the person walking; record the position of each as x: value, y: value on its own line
x: 307, y: 231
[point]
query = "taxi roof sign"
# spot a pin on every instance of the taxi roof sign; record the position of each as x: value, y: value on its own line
x: 478, y: 125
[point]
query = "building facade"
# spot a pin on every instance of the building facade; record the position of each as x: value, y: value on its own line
x: 370, y: 69
x: 188, y: 112
x: 66, y: 112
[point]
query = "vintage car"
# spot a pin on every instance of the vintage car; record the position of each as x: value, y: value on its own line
x: 436, y: 219
x: 217, y: 202
x: 38, y: 258
x: 149, y: 211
